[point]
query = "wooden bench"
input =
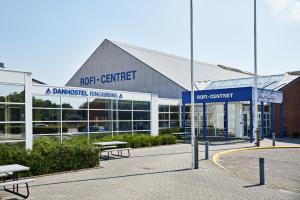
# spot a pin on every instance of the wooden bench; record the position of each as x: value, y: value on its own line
x: 119, y: 150
x: 16, y: 183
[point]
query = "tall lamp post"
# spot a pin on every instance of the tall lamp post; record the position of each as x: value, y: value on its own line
x: 255, y: 80
x: 194, y: 140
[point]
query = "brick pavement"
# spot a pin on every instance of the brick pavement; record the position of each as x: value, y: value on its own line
x: 154, y: 173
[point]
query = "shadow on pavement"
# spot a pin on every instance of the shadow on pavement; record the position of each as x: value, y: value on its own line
x: 185, y: 152
x: 113, y: 177
x: 249, y: 186
x: 289, y: 140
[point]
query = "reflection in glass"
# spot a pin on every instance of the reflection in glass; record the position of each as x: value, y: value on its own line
x: 163, y: 124
x: 123, y: 126
x: 174, y: 124
x: 96, y: 115
x: 12, y: 131
x: 141, y: 115
x: 174, y: 108
x: 124, y: 105
x: 100, y: 127
x: 74, y: 102
x: 12, y: 112
x: 12, y: 93
x: 46, y: 101
x: 75, y: 127
x: 163, y: 116
x: 46, y: 128
x: 123, y: 115
x: 141, y: 125
x: 100, y: 104
x: 163, y: 108
x: 74, y: 115
x: 46, y: 114
x: 141, y: 105
x: 174, y: 116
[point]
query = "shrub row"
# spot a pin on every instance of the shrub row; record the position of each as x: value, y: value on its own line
x: 170, y: 130
x: 49, y: 156
x: 142, y: 140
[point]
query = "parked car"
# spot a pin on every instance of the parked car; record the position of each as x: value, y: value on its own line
x: 94, y: 129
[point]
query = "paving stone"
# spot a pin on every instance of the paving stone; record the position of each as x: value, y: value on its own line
x: 154, y: 173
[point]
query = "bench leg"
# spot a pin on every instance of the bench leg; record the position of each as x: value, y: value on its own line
x: 128, y: 153
x: 17, y: 193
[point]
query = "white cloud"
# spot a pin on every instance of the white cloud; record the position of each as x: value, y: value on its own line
x: 288, y: 9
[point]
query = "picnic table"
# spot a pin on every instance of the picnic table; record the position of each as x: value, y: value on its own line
x: 12, y: 171
x: 113, y: 146
x: 182, y: 136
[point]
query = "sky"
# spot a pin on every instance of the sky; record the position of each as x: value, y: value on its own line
x: 53, y: 38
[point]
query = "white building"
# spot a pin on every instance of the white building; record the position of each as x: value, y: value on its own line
x: 123, y: 89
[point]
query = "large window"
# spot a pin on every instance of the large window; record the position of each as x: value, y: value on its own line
x: 169, y: 116
x: 12, y: 112
x: 59, y: 115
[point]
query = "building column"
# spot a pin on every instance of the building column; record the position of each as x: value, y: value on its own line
x: 180, y: 115
x: 262, y: 119
x: 281, y: 120
x: 272, y: 120
x: 28, y: 111
x: 251, y: 121
x: 226, y: 120
x: 183, y: 117
x: 204, y: 122
x: 238, y: 120
x: 154, y: 114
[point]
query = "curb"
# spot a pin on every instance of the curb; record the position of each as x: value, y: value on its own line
x: 218, y: 155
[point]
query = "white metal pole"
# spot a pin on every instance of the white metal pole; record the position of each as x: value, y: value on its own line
x: 194, y: 141
x: 255, y: 78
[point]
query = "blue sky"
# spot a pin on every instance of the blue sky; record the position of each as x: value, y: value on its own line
x: 53, y: 38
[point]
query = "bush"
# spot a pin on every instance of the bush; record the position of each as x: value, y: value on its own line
x: 170, y: 130
x: 142, y: 140
x: 49, y: 156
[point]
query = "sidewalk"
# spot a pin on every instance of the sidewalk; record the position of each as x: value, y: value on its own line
x: 155, y: 173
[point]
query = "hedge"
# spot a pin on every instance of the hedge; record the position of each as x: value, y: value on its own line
x: 170, y: 130
x: 142, y: 140
x: 49, y: 156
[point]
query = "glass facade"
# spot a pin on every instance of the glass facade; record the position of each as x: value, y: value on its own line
x: 216, y: 120
x: 60, y: 115
x: 12, y: 112
x: 169, y: 116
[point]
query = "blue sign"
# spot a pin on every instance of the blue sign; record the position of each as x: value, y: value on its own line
x: 84, y: 93
x: 219, y: 95
x: 232, y: 94
x: 108, y: 78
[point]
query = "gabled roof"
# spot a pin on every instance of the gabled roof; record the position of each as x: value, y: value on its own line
x: 178, y: 68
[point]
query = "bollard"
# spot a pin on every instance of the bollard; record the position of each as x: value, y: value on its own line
x: 257, y: 138
x: 273, y: 139
x: 206, y: 150
x: 261, y: 171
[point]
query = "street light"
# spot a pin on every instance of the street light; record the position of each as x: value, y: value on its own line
x: 194, y: 141
x: 255, y: 79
